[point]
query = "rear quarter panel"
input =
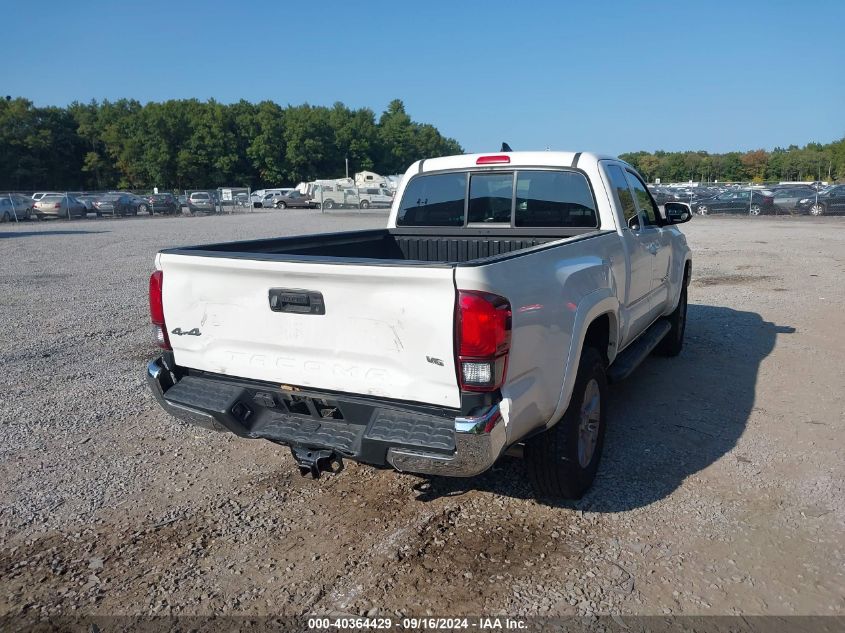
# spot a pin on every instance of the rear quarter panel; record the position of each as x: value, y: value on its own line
x: 554, y: 294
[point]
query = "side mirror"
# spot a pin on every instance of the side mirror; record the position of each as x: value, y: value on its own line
x: 677, y: 212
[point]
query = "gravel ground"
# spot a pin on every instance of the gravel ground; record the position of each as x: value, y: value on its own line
x: 721, y: 489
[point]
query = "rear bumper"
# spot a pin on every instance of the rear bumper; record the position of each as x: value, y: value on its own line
x: 410, y: 438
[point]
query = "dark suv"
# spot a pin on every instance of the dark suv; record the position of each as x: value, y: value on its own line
x: 164, y: 203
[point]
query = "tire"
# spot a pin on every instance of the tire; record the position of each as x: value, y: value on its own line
x: 817, y: 208
x: 562, y: 461
x: 281, y: 205
x: 143, y: 208
x: 365, y: 204
x: 702, y: 210
x: 673, y: 342
x: 755, y: 209
x: 328, y: 204
x: 6, y: 217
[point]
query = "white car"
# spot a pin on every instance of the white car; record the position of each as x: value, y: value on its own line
x: 263, y: 198
x: 40, y: 194
x: 505, y: 293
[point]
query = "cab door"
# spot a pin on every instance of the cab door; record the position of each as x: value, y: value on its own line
x: 636, y: 308
x: 658, y: 243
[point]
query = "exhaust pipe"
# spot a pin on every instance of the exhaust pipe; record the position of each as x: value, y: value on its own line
x: 314, y: 462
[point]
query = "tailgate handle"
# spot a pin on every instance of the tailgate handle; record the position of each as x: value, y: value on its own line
x: 296, y: 301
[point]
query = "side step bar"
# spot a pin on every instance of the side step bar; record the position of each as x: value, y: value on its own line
x: 638, y: 351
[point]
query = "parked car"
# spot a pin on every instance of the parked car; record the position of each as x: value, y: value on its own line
x: 294, y: 199
x: 164, y: 203
x: 18, y: 205
x: 201, y: 202
x: 9, y: 212
x: 828, y: 202
x: 786, y: 198
x: 260, y: 196
x: 266, y: 201
x: 137, y: 204
x: 59, y: 206
x: 662, y: 195
x: 112, y: 204
x: 375, y: 197
x: 40, y: 194
x: 88, y: 199
x: 492, y: 312
x: 753, y: 203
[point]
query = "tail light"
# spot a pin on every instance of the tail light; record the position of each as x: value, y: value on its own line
x: 483, y: 333
x: 157, y: 310
x: 58, y: 205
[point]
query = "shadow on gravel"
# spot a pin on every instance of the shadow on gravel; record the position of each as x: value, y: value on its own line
x: 672, y: 418
x: 36, y: 233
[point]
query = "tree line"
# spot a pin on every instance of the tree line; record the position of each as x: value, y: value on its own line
x: 191, y: 144
x: 812, y: 162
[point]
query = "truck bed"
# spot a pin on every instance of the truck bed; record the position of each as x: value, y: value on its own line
x: 388, y: 246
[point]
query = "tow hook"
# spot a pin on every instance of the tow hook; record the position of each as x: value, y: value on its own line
x: 314, y: 462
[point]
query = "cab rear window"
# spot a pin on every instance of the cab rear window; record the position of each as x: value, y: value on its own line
x: 549, y: 198
x: 436, y: 200
x: 554, y: 198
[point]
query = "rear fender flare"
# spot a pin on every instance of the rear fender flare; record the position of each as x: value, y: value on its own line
x: 592, y: 306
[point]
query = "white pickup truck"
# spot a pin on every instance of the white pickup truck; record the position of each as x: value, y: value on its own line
x: 488, y: 317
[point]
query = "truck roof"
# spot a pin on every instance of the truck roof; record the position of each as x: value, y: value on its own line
x: 517, y: 159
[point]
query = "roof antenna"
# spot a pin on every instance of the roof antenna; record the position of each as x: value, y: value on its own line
x: 505, y: 147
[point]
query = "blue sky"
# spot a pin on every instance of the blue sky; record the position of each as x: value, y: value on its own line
x: 603, y: 76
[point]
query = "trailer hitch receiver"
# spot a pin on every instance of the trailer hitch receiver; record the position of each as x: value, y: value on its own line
x: 314, y: 462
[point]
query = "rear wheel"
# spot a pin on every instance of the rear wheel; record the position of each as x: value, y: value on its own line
x: 562, y: 462
x: 817, y: 209
x: 143, y: 208
x: 328, y: 204
x: 702, y: 210
x: 365, y: 204
x: 281, y: 205
x: 6, y: 217
x: 755, y: 209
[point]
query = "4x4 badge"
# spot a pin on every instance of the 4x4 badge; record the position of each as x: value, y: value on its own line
x: 180, y: 332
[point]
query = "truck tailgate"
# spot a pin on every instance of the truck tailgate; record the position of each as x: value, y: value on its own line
x: 385, y: 330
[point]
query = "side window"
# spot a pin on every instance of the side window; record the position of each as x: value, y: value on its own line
x: 646, y: 205
x: 622, y: 193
